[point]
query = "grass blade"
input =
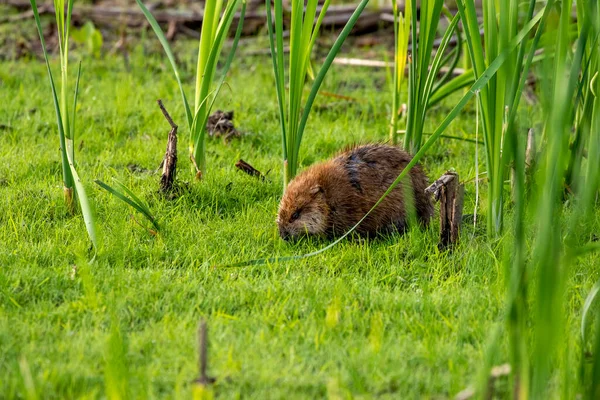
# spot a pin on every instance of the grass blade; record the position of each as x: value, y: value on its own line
x: 86, y: 209
x: 165, y: 44
x: 325, y: 67
x: 423, y: 69
x: 589, y: 300
x: 70, y: 176
x: 134, y: 201
x: 436, y: 65
x: 74, y: 112
x: 133, y: 197
x: 211, y: 10
x: 67, y: 177
x: 401, y: 36
x: 217, y: 90
x: 463, y: 80
x: 199, y: 131
x: 278, y: 69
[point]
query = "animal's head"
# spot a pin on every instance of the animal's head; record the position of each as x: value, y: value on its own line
x: 303, y: 209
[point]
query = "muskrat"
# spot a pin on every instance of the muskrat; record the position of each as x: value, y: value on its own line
x: 329, y: 198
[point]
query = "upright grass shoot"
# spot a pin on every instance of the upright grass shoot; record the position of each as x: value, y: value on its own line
x: 501, y: 96
x: 293, y: 115
x: 554, y: 254
x: 585, y: 98
x: 401, y: 36
x: 423, y: 68
x: 65, y: 113
x: 126, y: 195
x: 589, y: 186
x: 550, y: 261
x: 536, y: 279
x: 215, y: 26
x: 592, y: 172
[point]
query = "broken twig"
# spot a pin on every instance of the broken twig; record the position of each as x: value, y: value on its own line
x: 249, y: 169
x: 436, y: 187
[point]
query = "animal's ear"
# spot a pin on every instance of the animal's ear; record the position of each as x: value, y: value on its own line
x: 316, y: 189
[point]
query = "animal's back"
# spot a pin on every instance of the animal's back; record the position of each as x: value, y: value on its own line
x: 331, y: 197
x: 370, y: 170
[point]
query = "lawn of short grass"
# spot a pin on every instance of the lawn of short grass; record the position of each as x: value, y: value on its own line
x: 386, y: 318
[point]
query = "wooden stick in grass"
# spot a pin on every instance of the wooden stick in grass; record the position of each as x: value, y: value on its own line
x: 170, y: 161
x: 450, y: 192
x: 203, y: 379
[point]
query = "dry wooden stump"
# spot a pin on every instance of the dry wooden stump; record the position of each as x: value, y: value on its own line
x: 169, y: 163
x: 450, y: 193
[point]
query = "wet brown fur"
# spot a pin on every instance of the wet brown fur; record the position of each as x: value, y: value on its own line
x: 329, y: 198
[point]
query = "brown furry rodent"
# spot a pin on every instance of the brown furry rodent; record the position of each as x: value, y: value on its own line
x: 329, y: 198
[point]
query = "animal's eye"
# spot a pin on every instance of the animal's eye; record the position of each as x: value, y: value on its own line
x: 295, y: 216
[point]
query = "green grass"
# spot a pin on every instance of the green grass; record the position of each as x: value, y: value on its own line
x: 387, y: 318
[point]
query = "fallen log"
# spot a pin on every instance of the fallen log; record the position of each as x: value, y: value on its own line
x: 254, y: 20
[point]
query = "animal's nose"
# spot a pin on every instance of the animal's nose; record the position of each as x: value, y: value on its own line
x: 284, y: 233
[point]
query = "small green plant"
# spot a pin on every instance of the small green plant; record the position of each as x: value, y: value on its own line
x: 215, y: 26
x: 65, y: 113
x: 90, y: 37
x: 303, y: 34
x: 125, y: 194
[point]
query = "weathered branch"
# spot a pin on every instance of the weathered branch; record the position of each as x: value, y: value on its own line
x: 249, y: 169
x: 436, y: 187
